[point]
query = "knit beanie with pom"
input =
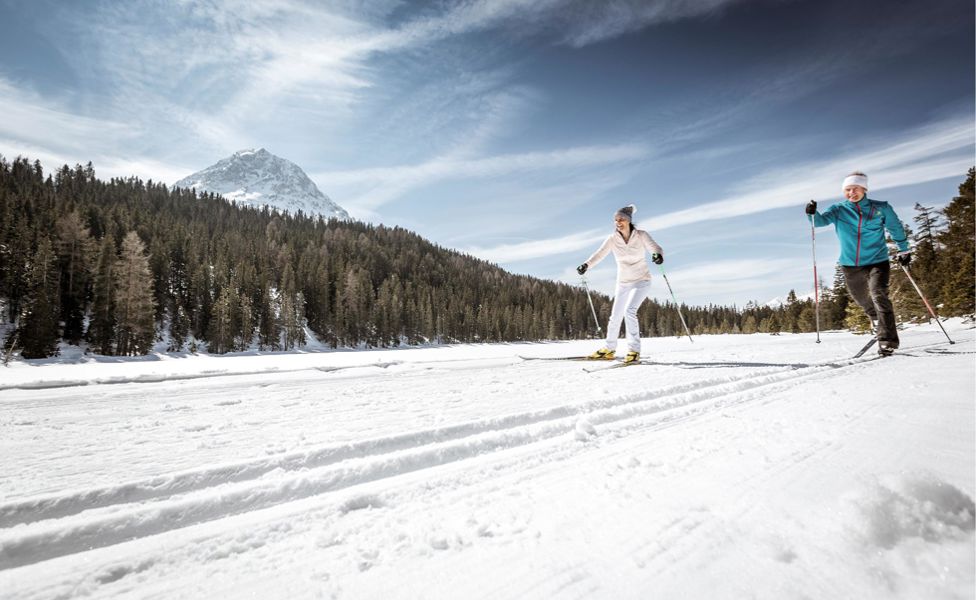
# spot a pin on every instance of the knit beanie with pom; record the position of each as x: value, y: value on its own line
x: 626, y: 212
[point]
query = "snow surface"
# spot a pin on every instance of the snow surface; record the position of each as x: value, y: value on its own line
x: 752, y: 466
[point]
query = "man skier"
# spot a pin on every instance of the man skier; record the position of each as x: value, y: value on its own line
x: 629, y: 246
x: 860, y: 224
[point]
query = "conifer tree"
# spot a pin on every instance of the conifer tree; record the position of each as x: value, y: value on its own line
x: 269, y: 325
x: 791, y: 313
x: 925, y: 253
x: 159, y: 265
x: 200, y: 292
x: 353, y: 305
x: 806, y: 320
x: 856, y: 319
x: 101, y: 326
x: 292, y: 315
x: 959, y: 243
x: 15, y: 253
x: 38, y: 328
x: 179, y: 329
x: 75, y: 247
x: 292, y: 321
x: 840, y: 298
x: 221, y: 333
x: 135, y: 326
x: 246, y: 321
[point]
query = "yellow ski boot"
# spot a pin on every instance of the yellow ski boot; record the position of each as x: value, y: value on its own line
x: 632, y: 357
x: 602, y: 354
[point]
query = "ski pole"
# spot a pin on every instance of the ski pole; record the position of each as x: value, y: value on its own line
x: 908, y: 273
x: 676, y: 305
x: 816, y: 281
x: 595, y: 320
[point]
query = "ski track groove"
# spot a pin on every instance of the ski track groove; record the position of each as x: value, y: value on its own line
x: 60, y: 505
x: 216, y: 373
x: 181, y: 500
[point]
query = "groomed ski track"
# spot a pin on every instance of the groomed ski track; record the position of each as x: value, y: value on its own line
x: 107, y: 530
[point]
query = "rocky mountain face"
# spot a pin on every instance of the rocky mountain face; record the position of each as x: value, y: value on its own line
x: 259, y: 178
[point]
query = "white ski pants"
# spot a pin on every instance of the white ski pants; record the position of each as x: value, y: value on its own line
x: 626, y: 301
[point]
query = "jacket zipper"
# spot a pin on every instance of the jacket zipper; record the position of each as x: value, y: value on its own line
x: 857, y: 255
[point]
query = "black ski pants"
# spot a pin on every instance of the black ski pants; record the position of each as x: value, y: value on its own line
x: 868, y: 285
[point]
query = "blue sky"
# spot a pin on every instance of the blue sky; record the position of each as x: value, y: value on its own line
x: 513, y: 129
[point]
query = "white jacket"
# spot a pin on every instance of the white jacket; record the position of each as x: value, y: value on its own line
x: 631, y: 256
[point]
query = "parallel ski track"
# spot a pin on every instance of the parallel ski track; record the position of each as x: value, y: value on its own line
x: 215, y: 373
x: 50, y: 526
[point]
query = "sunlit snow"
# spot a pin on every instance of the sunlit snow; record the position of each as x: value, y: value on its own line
x: 750, y: 466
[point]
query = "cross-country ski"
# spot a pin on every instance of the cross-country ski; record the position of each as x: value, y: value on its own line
x: 871, y: 342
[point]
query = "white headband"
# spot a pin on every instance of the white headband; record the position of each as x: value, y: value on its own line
x: 861, y: 180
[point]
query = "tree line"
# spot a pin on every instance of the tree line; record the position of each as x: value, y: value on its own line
x: 122, y: 264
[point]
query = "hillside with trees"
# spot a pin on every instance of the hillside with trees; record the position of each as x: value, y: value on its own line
x: 121, y: 264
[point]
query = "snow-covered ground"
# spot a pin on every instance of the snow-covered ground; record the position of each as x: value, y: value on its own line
x: 732, y: 467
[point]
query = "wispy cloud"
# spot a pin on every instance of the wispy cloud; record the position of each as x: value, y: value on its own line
x: 228, y: 61
x: 540, y: 248
x: 578, y: 22
x: 213, y: 76
x: 267, y: 51
x: 30, y: 120
x: 735, y: 278
x: 586, y: 22
x: 936, y: 151
x: 384, y: 184
x: 203, y: 78
x: 233, y: 63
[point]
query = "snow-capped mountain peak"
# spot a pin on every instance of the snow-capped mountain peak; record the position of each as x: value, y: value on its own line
x: 259, y: 178
x: 784, y: 300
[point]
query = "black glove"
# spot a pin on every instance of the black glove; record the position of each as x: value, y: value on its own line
x: 657, y: 258
x: 905, y: 258
x: 582, y: 268
x: 811, y: 207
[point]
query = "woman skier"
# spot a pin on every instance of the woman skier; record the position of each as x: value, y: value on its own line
x: 860, y: 224
x: 629, y: 246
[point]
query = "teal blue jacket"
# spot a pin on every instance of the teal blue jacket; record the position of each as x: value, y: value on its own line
x: 860, y: 226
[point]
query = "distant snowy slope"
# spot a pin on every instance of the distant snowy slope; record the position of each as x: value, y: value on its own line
x: 259, y: 178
